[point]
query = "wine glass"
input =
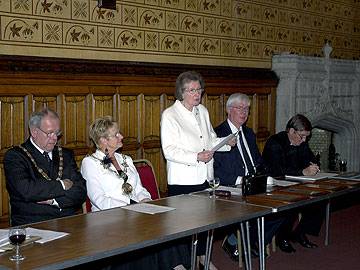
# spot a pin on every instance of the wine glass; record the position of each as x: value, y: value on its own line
x: 342, y: 165
x: 17, y: 237
x: 214, y: 183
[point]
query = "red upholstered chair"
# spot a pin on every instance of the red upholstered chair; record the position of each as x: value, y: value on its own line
x: 86, y: 206
x: 147, y: 177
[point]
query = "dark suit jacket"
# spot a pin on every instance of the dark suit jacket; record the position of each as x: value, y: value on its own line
x: 229, y: 165
x: 282, y: 158
x: 26, y: 186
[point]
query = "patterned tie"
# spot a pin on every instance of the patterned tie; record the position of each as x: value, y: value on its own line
x: 46, y: 155
x: 247, y: 159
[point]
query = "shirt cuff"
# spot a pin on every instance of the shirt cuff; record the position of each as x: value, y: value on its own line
x: 55, y: 203
x: 62, y: 183
x: 238, y: 180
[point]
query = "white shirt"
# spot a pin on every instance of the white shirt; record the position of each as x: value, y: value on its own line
x: 104, y: 186
x: 234, y: 130
x: 184, y: 134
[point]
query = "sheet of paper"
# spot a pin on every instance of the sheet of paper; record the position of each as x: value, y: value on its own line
x: 310, y: 178
x: 4, y: 236
x: 45, y: 235
x: 223, y: 142
x: 148, y: 208
x: 283, y: 183
x: 349, y: 175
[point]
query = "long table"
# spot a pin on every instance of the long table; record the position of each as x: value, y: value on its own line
x: 104, y: 234
x: 280, y: 199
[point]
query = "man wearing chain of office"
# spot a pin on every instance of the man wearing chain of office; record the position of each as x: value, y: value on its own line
x: 42, y: 178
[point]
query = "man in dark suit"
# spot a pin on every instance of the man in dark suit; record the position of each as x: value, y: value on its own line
x: 288, y: 153
x: 243, y: 159
x: 42, y: 178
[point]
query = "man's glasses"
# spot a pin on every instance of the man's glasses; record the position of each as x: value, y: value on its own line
x: 51, y: 133
x: 242, y: 109
x: 301, y: 136
x: 195, y: 91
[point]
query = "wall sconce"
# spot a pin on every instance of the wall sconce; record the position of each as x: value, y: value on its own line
x: 109, y: 4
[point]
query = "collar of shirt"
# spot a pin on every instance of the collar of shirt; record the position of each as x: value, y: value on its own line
x: 232, y: 127
x: 39, y: 149
x: 181, y: 107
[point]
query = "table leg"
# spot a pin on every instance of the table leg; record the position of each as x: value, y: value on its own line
x: 327, y: 223
x: 209, y: 242
x: 193, y: 251
x: 246, y: 244
x: 261, y: 236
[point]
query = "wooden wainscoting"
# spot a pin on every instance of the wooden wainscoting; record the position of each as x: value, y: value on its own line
x: 135, y: 94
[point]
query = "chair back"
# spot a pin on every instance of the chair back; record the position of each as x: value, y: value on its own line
x: 147, y: 177
x: 86, y: 206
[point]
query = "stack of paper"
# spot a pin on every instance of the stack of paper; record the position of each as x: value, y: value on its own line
x: 310, y: 178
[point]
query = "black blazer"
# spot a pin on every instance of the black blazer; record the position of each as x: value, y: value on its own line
x: 26, y: 186
x: 229, y: 165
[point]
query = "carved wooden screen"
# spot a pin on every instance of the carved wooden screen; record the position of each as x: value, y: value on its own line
x: 134, y: 94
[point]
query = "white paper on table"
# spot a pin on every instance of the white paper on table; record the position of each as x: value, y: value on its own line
x: 283, y: 183
x: 223, y: 142
x: 310, y: 178
x: 148, y: 208
x: 45, y: 235
x: 4, y: 236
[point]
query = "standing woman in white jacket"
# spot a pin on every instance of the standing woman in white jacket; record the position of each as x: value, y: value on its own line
x: 187, y: 138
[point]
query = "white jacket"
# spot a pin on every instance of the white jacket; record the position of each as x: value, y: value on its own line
x: 104, y: 186
x: 182, y: 138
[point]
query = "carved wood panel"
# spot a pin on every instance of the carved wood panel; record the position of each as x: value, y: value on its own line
x: 136, y: 102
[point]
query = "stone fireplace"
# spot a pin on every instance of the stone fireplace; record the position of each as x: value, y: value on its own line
x: 327, y: 91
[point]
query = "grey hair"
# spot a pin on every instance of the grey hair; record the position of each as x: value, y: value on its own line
x: 37, y: 117
x: 184, y: 78
x: 237, y: 98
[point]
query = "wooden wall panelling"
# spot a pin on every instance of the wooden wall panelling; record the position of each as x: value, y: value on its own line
x: 128, y: 118
x: 151, y: 135
x: 80, y: 94
x: 73, y: 117
x: 12, y: 121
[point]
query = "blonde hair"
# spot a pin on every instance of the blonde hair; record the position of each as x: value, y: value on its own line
x: 100, y: 128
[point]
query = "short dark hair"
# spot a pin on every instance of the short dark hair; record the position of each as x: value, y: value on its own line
x: 185, y: 78
x: 299, y: 122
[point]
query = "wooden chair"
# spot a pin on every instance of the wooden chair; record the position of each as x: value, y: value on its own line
x: 147, y: 177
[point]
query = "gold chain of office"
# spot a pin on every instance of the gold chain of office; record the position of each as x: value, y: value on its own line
x: 41, y: 171
x: 126, y: 187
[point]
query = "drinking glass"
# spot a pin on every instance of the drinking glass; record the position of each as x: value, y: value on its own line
x: 214, y: 183
x: 342, y: 165
x: 17, y: 237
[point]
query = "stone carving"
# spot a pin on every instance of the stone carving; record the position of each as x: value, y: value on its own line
x: 23, y: 30
x: 130, y: 39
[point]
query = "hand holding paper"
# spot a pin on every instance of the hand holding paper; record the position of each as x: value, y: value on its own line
x: 226, y: 140
x: 205, y: 156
